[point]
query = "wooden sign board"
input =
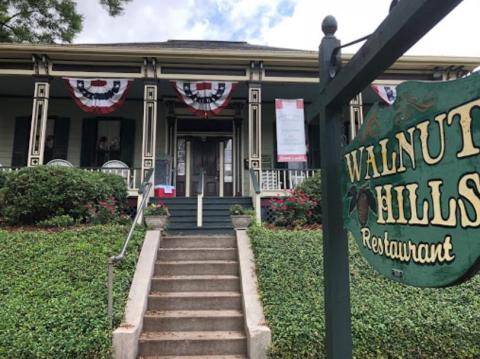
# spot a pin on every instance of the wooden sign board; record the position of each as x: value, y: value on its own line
x: 412, y: 184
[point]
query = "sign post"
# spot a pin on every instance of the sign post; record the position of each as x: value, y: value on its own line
x: 409, y: 21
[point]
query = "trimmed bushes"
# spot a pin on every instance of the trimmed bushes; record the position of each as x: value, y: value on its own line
x: 53, y: 295
x: 35, y: 194
x: 389, y: 320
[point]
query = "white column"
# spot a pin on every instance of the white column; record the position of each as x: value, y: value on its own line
x: 39, y: 123
x: 188, y: 157
x: 255, y: 139
x: 149, y: 127
x: 356, y: 115
x: 221, y: 172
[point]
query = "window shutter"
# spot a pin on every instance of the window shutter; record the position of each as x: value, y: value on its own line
x: 127, y: 141
x: 61, y: 134
x: 89, y: 139
x: 20, y: 141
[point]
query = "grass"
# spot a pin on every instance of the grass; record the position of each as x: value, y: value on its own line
x: 389, y: 320
x: 53, y: 291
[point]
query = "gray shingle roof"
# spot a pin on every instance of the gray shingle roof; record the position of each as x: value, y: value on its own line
x: 196, y: 44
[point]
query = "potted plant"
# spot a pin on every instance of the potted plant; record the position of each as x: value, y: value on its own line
x: 156, y: 215
x: 241, y: 216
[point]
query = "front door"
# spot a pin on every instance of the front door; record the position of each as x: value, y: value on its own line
x: 205, y: 156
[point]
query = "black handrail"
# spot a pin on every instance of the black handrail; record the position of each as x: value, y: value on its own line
x: 144, y: 190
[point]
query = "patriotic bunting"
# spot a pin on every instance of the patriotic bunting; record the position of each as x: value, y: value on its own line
x: 98, y: 95
x: 205, y: 98
x: 386, y: 93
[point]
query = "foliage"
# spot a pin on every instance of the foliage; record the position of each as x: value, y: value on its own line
x: 58, y: 222
x: 389, y: 320
x: 53, y: 293
x: 238, y: 209
x: 45, y: 21
x: 294, y: 210
x: 312, y: 187
x: 3, y: 178
x: 38, y: 193
x: 157, y: 209
x: 106, y: 211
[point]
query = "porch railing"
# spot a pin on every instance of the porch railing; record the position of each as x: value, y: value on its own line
x: 132, y: 175
x: 284, y: 179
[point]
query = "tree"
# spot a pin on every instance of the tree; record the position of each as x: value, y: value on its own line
x: 46, y: 21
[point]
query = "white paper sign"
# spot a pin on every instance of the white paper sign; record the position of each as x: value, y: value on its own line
x: 290, y: 131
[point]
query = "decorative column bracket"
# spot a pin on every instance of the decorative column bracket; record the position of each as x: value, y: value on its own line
x: 39, y: 123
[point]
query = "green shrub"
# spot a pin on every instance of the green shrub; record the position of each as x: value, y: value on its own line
x: 3, y: 178
x: 389, y: 320
x: 238, y: 209
x: 157, y: 209
x: 58, y: 222
x: 293, y: 211
x: 38, y: 193
x: 312, y: 187
x: 53, y: 294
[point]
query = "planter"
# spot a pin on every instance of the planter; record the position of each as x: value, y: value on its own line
x: 156, y: 222
x: 241, y: 221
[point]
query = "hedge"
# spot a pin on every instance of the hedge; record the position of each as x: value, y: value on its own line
x: 38, y: 193
x: 53, y: 291
x: 389, y: 320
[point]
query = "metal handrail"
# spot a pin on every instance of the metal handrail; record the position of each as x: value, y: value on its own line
x: 255, y: 181
x: 144, y: 190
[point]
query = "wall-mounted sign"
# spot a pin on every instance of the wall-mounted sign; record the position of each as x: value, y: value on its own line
x: 290, y: 131
x: 412, y: 184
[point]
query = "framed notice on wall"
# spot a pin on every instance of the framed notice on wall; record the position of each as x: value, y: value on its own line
x: 290, y: 131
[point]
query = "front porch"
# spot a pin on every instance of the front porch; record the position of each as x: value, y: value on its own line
x: 153, y: 131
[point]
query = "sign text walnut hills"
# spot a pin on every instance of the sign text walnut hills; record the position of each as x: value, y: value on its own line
x: 412, y: 180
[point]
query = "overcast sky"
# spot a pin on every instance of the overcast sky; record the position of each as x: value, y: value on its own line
x: 284, y: 23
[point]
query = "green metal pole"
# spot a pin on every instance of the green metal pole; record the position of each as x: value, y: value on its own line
x: 335, y: 245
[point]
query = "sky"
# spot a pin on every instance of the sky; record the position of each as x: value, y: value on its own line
x: 283, y: 23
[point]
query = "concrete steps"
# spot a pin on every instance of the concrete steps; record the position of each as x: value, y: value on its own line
x: 195, y: 305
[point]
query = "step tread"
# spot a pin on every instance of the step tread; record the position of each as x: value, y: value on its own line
x: 203, y: 335
x: 199, y: 236
x: 193, y: 313
x: 194, y: 357
x: 195, y: 262
x: 195, y: 277
x: 195, y: 294
x: 193, y: 249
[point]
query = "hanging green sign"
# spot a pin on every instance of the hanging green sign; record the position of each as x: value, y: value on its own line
x: 412, y: 184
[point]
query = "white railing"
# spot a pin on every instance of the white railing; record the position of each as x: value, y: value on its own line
x: 9, y: 169
x: 284, y: 179
x: 132, y: 175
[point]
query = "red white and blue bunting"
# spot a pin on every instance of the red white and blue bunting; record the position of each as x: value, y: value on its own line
x: 205, y: 98
x: 386, y: 92
x: 98, y: 95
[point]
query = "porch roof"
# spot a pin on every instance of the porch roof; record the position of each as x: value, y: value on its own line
x: 238, y: 52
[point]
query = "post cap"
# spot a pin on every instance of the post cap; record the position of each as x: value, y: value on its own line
x: 329, y: 25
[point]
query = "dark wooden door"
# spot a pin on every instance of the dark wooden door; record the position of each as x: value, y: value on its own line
x: 205, y: 156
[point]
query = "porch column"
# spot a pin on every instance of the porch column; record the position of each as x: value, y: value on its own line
x: 237, y: 157
x: 39, y: 123
x: 356, y: 115
x: 255, y: 138
x: 149, y: 127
